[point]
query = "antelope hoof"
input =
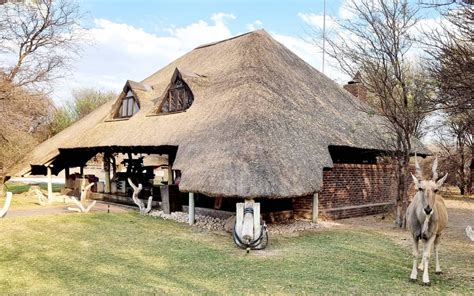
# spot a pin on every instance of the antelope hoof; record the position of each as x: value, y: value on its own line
x: 438, y: 272
x: 412, y: 280
x: 427, y: 284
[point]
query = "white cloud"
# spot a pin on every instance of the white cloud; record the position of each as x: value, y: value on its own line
x: 116, y: 52
x: 255, y: 25
x: 311, y: 54
x: 317, y: 21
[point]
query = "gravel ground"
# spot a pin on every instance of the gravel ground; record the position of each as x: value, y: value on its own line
x: 216, y: 224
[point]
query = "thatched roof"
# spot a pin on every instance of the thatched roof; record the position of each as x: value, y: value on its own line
x: 260, y: 124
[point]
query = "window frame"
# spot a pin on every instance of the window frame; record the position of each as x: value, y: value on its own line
x: 178, y: 98
x: 129, y: 101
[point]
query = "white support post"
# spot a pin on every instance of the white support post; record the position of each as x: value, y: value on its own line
x: 191, y: 208
x: 315, y: 207
x: 50, y: 185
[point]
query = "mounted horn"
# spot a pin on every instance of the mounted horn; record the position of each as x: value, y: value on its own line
x: 435, y: 168
x: 418, y: 173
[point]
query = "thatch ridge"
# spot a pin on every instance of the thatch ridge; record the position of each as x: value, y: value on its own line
x: 260, y: 124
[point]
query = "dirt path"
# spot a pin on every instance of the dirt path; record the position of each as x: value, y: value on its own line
x: 57, y: 210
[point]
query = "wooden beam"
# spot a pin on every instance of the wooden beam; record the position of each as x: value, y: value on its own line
x: 107, y: 172
x: 170, y: 172
x: 191, y: 209
x: 66, y: 176
x: 315, y: 207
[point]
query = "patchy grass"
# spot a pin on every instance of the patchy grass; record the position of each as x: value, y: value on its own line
x: 27, y: 201
x: 133, y: 254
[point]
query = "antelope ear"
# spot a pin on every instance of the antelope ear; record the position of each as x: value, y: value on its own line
x: 440, y: 182
x: 415, y: 180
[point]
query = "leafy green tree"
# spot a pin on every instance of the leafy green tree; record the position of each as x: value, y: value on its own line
x: 85, y: 101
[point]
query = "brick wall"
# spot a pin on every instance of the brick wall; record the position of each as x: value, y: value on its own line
x: 357, y: 90
x: 351, y: 190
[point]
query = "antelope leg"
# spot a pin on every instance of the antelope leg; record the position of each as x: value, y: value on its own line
x: 414, y: 271
x: 426, y: 259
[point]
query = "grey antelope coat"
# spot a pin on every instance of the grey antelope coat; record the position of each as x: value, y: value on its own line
x: 427, y: 217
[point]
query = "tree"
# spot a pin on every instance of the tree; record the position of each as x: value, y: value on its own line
x: 85, y: 101
x: 456, y: 141
x: 40, y: 38
x: 37, y: 41
x: 375, y: 42
x: 451, y: 64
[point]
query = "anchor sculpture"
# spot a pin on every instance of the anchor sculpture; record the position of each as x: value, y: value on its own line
x: 8, y: 201
x: 249, y: 232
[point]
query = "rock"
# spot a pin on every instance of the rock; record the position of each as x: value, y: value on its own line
x: 229, y: 224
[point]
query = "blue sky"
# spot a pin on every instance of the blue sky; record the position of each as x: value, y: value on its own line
x: 133, y: 39
x: 154, y: 16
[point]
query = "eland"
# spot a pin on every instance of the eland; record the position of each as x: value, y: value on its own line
x: 426, y: 218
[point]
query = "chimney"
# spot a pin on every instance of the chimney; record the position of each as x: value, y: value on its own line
x: 356, y: 88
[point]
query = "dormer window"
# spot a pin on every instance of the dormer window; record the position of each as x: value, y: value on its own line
x: 128, y: 107
x: 177, y: 98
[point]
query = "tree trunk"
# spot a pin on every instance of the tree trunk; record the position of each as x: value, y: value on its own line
x: 462, y: 175
x: 471, y: 174
x: 403, y: 161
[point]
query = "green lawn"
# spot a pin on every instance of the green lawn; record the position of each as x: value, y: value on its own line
x: 129, y: 253
x: 23, y: 200
x: 17, y: 188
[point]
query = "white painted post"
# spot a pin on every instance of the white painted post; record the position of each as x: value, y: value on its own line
x: 191, y: 208
x: 315, y: 207
x: 50, y: 185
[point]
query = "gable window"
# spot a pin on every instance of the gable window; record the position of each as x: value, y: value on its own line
x: 178, y: 98
x: 129, y: 106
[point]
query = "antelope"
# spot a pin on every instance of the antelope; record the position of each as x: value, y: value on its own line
x: 426, y: 218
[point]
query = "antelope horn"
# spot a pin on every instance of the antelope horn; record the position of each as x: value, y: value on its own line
x: 418, y: 169
x: 435, y: 168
